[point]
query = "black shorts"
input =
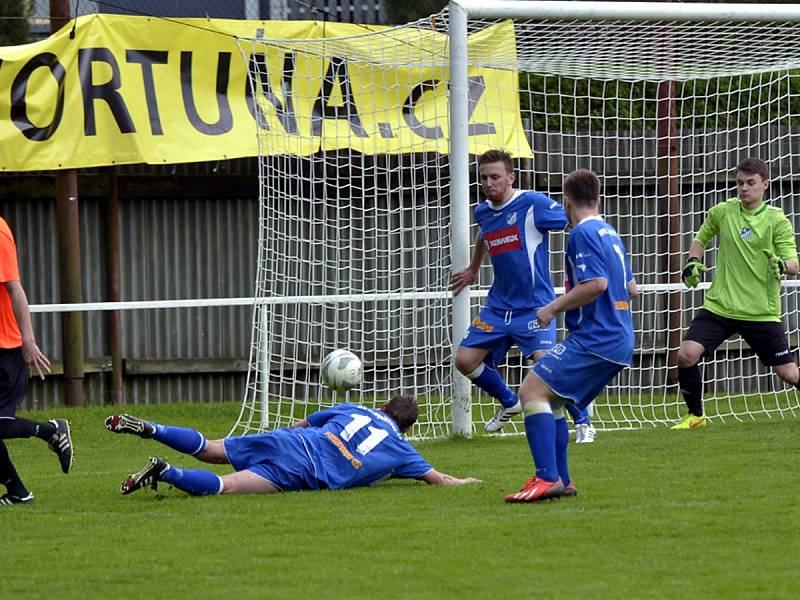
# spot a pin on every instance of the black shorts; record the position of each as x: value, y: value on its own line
x: 13, y: 380
x: 766, y: 338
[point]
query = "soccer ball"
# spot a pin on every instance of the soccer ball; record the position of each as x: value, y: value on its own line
x: 341, y: 370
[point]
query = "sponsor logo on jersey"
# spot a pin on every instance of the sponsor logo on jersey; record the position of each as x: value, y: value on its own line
x: 553, y: 204
x: 343, y: 449
x: 503, y: 240
x: 621, y: 305
x: 582, y: 267
x: 478, y: 324
x: 606, y: 231
x: 746, y: 234
x: 583, y: 255
x: 512, y: 218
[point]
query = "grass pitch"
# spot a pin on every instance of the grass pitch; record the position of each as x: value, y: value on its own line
x: 705, y: 514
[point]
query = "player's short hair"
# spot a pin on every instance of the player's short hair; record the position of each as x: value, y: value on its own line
x: 582, y: 187
x: 403, y: 409
x: 491, y: 156
x: 754, y: 166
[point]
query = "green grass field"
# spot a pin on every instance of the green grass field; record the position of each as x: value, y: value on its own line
x: 660, y: 514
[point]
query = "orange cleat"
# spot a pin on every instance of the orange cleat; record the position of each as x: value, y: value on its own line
x: 536, y: 489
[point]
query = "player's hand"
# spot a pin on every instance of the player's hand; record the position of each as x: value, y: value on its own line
x: 35, y: 359
x: 777, y: 266
x: 467, y: 480
x: 461, y: 279
x: 692, y: 272
x: 545, y: 315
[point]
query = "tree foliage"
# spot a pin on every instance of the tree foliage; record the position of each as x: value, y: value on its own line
x: 13, y: 22
x: 404, y: 11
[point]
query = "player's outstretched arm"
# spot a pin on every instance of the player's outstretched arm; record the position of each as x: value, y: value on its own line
x: 434, y: 477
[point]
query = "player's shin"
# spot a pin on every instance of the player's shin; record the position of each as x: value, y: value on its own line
x: 182, y: 439
x: 197, y: 482
x: 489, y: 380
x: 562, y: 442
x: 691, y: 384
x: 540, y: 429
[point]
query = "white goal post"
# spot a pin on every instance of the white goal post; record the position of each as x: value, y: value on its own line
x: 368, y: 147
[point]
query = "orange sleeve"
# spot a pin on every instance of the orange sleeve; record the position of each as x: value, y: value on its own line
x: 9, y: 265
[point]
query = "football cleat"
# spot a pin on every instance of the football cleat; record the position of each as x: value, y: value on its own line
x: 691, y: 421
x: 61, y: 443
x: 148, y: 476
x: 9, y: 499
x: 129, y: 424
x: 585, y: 434
x: 536, y: 489
x: 569, y: 490
x: 501, y: 417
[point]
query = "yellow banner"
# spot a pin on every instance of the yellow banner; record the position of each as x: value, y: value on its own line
x: 146, y: 90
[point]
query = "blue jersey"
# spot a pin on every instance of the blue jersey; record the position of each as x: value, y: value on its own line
x: 516, y: 234
x: 351, y: 445
x: 603, y: 327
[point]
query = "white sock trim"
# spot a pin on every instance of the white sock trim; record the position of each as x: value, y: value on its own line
x: 536, y: 407
x: 202, y: 445
x: 477, y: 372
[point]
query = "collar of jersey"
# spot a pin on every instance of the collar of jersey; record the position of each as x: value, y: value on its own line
x: 590, y: 218
x: 506, y: 203
x: 760, y: 209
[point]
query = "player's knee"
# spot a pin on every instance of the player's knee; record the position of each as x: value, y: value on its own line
x: 687, y: 357
x: 788, y: 372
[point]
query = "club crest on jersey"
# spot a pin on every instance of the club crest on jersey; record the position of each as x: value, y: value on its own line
x: 512, y: 218
x: 503, y: 240
x: 746, y: 234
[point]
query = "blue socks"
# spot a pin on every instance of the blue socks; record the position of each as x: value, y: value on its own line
x: 562, y: 441
x: 197, y: 482
x: 489, y: 380
x: 182, y: 439
x: 579, y: 417
x: 540, y: 428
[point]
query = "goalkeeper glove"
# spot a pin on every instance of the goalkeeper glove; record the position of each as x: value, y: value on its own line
x: 692, y: 272
x: 777, y: 266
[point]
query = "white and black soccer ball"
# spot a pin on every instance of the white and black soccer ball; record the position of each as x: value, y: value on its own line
x: 341, y: 370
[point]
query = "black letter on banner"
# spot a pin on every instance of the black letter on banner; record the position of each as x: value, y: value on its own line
x: 258, y: 71
x: 476, y: 87
x: 148, y: 58
x: 430, y: 133
x: 106, y: 91
x: 225, y: 122
x: 19, y: 109
x: 322, y: 110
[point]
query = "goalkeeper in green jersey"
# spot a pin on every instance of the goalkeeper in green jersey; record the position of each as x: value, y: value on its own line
x: 756, y: 249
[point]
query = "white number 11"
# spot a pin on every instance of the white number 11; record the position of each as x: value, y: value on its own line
x: 375, y: 437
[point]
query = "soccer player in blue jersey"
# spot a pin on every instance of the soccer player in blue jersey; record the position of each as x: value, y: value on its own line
x: 341, y: 447
x: 599, y: 344
x: 514, y: 228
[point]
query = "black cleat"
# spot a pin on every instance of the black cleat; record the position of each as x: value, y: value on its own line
x: 9, y: 499
x: 61, y: 443
x: 129, y: 424
x: 148, y: 476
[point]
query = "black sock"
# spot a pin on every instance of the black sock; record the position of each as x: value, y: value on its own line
x: 25, y: 428
x: 8, y: 474
x: 691, y: 383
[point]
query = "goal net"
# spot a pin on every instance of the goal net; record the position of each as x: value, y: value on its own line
x: 362, y: 213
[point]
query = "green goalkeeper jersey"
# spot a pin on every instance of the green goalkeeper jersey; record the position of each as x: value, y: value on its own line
x: 743, y: 287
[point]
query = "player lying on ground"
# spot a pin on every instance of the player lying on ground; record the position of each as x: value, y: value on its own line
x: 340, y: 447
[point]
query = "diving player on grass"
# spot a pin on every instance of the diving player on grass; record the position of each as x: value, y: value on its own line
x: 341, y: 447
x: 514, y: 230
x: 599, y: 344
x: 756, y: 248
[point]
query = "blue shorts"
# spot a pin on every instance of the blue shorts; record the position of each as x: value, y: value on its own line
x: 278, y: 456
x: 496, y: 331
x: 575, y: 374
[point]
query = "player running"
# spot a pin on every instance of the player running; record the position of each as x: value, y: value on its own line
x: 514, y: 230
x: 756, y: 248
x: 341, y: 447
x: 599, y: 344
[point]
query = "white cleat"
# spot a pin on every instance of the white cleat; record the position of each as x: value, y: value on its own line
x: 501, y: 417
x: 585, y: 434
